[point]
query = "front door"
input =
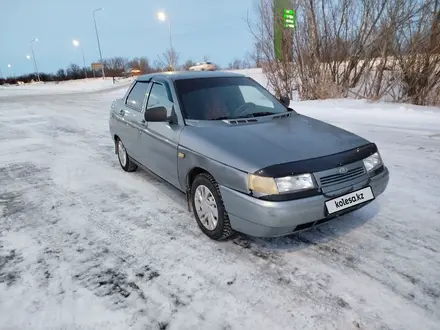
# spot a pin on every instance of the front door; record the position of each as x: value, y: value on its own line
x: 159, y: 140
x: 131, y: 115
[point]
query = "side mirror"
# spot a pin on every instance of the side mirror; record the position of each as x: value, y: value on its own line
x: 157, y: 114
x: 285, y: 100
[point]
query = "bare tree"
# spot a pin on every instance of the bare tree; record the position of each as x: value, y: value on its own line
x: 169, y: 60
x: 419, y: 58
x: 281, y: 75
x: 360, y: 48
x: 74, y: 71
x: 238, y: 64
x: 142, y: 64
x: 115, y: 66
x: 255, y: 57
x: 61, y: 74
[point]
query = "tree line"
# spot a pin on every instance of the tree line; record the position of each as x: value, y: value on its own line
x: 121, y: 67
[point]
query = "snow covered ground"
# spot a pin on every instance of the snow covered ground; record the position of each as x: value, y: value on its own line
x: 84, y: 245
x: 63, y: 87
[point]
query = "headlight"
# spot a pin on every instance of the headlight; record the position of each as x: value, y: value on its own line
x: 262, y: 184
x: 372, y: 162
x: 277, y: 186
x: 294, y: 183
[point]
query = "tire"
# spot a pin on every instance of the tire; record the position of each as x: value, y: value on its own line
x: 223, y: 229
x: 128, y: 165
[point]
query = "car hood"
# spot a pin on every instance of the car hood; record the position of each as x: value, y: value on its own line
x: 250, y: 147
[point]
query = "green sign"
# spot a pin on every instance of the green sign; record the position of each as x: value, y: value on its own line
x: 284, y: 22
x: 289, y: 18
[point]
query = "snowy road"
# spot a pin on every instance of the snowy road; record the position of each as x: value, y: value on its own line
x: 84, y: 245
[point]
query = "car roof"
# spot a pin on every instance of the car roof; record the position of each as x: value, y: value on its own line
x: 178, y: 75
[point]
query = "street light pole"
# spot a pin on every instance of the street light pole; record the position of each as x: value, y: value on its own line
x: 162, y: 17
x: 169, y: 30
x: 171, y: 46
x: 77, y: 44
x: 33, y: 56
x: 28, y: 57
x: 84, y: 61
x: 99, y: 45
x: 12, y: 69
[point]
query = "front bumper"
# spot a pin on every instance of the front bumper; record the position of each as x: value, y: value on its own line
x: 259, y: 218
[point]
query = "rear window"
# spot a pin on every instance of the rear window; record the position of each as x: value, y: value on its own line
x: 137, y: 95
x: 225, y: 98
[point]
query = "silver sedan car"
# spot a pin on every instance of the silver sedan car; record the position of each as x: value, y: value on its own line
x: 246, y: 161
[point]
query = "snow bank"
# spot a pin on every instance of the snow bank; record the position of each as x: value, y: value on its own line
x: 63, y: 87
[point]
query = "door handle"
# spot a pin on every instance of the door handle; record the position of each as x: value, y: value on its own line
x: 122, y: 112
x: 143, y: 122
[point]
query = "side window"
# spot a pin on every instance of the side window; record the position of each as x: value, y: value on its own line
x: 159, y: 97
x: 252, y: 94
x: 137, y: 95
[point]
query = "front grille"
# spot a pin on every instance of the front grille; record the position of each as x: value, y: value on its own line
x: 341, y: 178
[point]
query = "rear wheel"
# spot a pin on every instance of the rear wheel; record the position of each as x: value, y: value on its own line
x: 124, y: 160
x: 208, y: 207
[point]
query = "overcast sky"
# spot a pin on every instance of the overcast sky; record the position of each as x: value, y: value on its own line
x: 127, y: 28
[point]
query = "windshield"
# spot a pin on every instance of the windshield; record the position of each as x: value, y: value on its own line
x: 225, y: 98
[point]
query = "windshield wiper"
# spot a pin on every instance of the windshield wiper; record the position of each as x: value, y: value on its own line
x: 255, y: 114
x: 230, y: 118
x: 250, y: 115
x: 261, y: 114
x: 221, y: 118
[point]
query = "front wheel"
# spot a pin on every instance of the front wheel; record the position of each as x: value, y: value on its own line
x: 208, y: 207
x: 124, y: 160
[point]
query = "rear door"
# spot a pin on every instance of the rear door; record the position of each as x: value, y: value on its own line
x: 159, y: 140
x: 130, y: 114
